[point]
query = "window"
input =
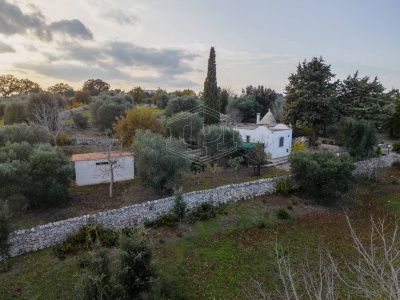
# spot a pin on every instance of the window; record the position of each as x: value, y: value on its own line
x: 281, y: 140
x: 247, y: 139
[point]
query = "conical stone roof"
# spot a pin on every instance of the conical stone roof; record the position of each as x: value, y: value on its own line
x: 268, y: 119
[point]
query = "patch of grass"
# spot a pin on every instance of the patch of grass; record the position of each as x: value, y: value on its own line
x: 1, y: 122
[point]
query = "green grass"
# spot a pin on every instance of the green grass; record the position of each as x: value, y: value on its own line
x: 217, y: 258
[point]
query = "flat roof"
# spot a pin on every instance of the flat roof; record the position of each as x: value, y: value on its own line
x: 98, y: 155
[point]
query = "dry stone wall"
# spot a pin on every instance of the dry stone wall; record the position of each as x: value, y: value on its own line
x: 44, y: 236
x: 371, y: 165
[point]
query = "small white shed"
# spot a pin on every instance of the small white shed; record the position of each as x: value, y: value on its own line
x: 94, y: 168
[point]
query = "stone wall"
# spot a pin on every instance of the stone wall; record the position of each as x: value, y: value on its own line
x: 371, y: 165
x: 94, y: 141
x: 44, y: 236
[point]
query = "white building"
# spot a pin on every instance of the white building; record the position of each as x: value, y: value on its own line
x: 94, y: 168
x: 277, y: 138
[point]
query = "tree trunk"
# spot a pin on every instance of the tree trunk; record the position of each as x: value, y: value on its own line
x: 111, y: 181
x: 314, y: 134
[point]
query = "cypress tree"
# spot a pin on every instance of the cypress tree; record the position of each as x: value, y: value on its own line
x: 210, y: 93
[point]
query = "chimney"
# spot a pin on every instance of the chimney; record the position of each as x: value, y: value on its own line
x: 258, y: 118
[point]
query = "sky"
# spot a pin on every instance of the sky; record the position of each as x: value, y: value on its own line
x: 166, y: 44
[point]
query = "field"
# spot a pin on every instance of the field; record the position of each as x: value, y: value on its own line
x: 217, y: 258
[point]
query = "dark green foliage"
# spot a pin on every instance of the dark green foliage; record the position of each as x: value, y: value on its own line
x: 167, y: 220
x: 204, y: 212
x: 95, y: 86
x: 180, y: 206
x: 5, y: 231
x: 137, y: 272
x: 396, y: 164
x: 96, y: 282
x: 395, y: 181
x: 322, y: 175
x: 156, y: 164
x: 215, y: 139
x: 247, y: 106
x: 284, y: 186
x: 2, y: 110
x: 14, y: 113
x: 105, y: 109
x: 283, y: 214
x: 210, y: 92
x: 62, y: 140
x: 184, y: 125
x: 19, y: 133
x: 257, y: 157
x: 393, y: 123
x: 311, y: 95
x: 223, y: 101
x: 44, y: 101
x: 358, y: 136
x: 162, y: 100
x: 197, y: 166
x: 396, y: 147
x: 51, y: 173
x: 178, y: 104
x: 265, y: 97
x: 364, y: 100
x: 80, y: 120
x: 82, y: 97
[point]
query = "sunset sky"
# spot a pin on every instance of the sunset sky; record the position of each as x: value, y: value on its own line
x: 166, y: 43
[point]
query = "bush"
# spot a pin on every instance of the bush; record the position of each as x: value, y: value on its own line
x: 283, y: 214
x: 137, y: 272
x: 284, y: 186
x: 82, y: 97
x: 396, y: 164
x: 395, y: 181
x: 14, y: 113
x: 299, y: 146
x: 396, y: 147
x: 62, y: 140
x: 204, y: 212
x: 5, y: 231
x: 80, y: 120
x: 167, y: 220
x: 358, y: 136
x: 178, y: 104
x: 19, y: 133
x: 216, y: 138
x: 162, y: 100
x: 322, y: 175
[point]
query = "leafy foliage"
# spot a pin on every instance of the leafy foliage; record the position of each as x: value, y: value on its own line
x: 396, y: 147
x: 95, y: 86
x: 321, y: 175
x: 298, y: 146
x: 138, y: 95
x: 80, y: 120
x: 265, y: 97
x: 135, y: 119
x: 162, y: 100
x: 184, y: 125
x: 364, y: 100
x: 223, y: 100
x: 311, y: 96
x: 210, y: 92
x: 5, y: 231
x: 155, y: 97
x: 180, y: 206
x: 358, y: 136
x: 215, y: 138
x: 8, y: 85
x: 197, y: 166
x: 247, y: 106
x: 137, y: 272
x: 14, y: 113
x: 60, y: 88
x: 156, y: 165
x: 393, y: 123
x: 178, y: 104
x: 82, y: 97
x: 105, y: 109
x: 257, y: 157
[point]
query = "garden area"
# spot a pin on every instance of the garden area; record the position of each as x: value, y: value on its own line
x: 220, y: 252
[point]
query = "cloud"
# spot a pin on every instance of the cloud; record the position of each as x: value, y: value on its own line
x: 73, y: 28
x: 4, y: 48
x: 14, y: 21
x: 119, y: 16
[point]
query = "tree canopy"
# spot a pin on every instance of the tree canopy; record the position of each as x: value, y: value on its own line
x: 138, y: 95
x: 266, y: 97
x: 363, y: 99
x: 184, y: 125
x: 135, y: 119
x: 95, y: 86
x: 8, y: 85
x: 179, y: 104
x: 394, y: 120
x: 247, y: 106
x: 216, y: 139
x: 60, y: 88
x: 311, y: 95
x: 210, y: 92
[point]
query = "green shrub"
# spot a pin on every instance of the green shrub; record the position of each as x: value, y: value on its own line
x: 168, y: 220
x: 80, y: 120
x: 283, y: 214
x: 395, y: 181
x: 322, y: 175
x: 396, y: 147
x: 62, y: 140
x: 205, y: 212
x: 396, y: 164
x: 284, y: 186
x: 5, y: 231
x: 136, y: 272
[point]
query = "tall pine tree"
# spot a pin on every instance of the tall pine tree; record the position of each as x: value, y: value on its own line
x: 311, y: 95
x: 210, y: 93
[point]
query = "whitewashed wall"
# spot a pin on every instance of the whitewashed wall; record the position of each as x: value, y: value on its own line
x: 89, y: 172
